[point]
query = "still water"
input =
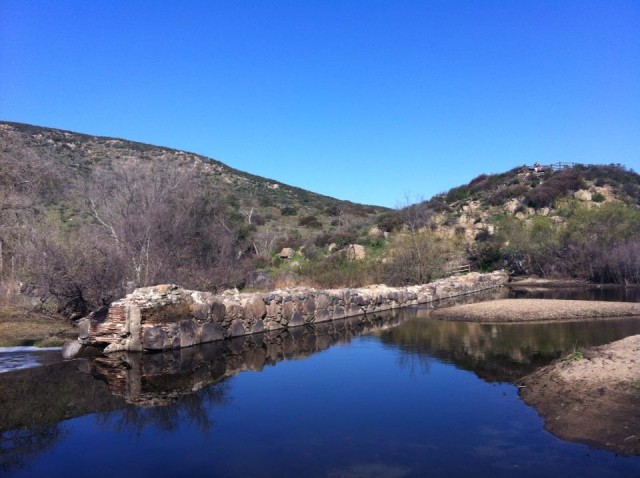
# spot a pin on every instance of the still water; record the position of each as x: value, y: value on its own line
x: 401, y: 396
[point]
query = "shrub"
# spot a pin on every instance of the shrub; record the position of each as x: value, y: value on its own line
x: 483, y: 235
x: 478, y: 180
x: 311, y: 252
x: 337, y: 271
x: 343, y: 239
x: 310, y: 222
x: 294, y: 241
x: 322, y: 240
x: 258, y: 220
x: 488, y: 256
x: 333, y: 211
x: 288, y: 211
x: 458, y: 194
x: 390, y: 222
x: 558, y: 185
x: 502, y: 195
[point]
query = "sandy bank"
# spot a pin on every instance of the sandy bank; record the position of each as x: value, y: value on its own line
x: 520, y: 310
x: 548, y: 283
x: 592, y: 396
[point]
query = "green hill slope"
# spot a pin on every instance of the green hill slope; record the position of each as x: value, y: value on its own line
x: 83, y: 218
x: 562, y: 220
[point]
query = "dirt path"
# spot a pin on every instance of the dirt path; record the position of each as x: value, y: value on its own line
x: 591, y: 397
x: 518, y: 310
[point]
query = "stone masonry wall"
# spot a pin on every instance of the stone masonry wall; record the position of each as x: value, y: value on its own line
x: 169, y: 317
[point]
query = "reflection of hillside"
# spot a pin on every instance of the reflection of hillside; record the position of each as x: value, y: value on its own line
x: 47, y: 395
x: 34, y: 400
x: 18, y: 447
x: 502, y: 352
x: 607, y: 293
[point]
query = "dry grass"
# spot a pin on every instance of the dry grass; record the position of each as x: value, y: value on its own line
x: 20, y: 326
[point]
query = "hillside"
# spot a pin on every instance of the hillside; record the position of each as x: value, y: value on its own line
x: 118, y: 214
x: 523, y: 192
x: 78, y: 156
x: 84, y: 219
x: 561, y: 220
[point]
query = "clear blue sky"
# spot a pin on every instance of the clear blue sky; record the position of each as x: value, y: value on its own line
x: 362, y: 100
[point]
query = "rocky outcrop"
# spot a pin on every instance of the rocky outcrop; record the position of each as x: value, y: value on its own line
x: 169, y: 317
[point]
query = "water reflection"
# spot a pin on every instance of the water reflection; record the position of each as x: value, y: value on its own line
x: 500, y: 352
x: 613, y: 293
x: 189, y: 410
x: 151, y: 380
x: 178, y: 391
x: 16, y: 358
x: 33, y: 402
x: 18, y: 447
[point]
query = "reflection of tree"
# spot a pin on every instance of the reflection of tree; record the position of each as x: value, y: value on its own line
x: 188, y: 409
x: 18, y: 447
x: 414, y: 362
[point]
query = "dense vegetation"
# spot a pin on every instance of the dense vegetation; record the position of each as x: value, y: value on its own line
x: 84, y: 219
x: 579, y: 222
x: 596, y: 244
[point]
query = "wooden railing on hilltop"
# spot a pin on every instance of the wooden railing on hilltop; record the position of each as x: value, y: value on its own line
x: 462, y: 269
x: 559, y: 165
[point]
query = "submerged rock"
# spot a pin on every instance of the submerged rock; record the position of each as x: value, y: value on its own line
x: 71, y: 349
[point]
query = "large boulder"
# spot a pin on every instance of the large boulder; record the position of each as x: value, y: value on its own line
x: 153, y: 338
x: 254, y: 308
x: 356, y: 252
x: 212, y: 332
x: 287, y: 253
x: 582, y: 195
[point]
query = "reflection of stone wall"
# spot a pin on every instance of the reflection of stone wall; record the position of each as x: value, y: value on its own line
x: 169, y: 317
x: 160, y: 378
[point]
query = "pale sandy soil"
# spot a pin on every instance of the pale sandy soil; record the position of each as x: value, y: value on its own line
x: 592, y: 397
x: 517, y: 310
x: 551, y: 283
